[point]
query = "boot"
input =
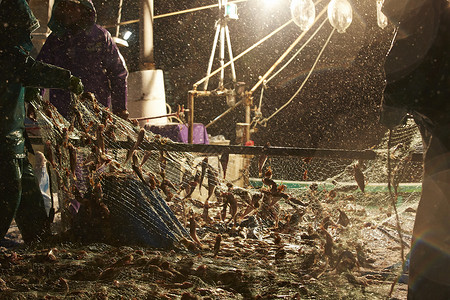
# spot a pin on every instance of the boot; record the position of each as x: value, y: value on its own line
x: 10, y: 191
x: 31, y: 216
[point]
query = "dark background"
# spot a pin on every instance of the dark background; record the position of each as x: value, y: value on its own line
x: 338, y: 107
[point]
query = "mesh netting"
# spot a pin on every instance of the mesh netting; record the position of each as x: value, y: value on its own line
x: 104, y: 187
x: 303, y: 225
x: 105, y: 169
x: 339, y: 174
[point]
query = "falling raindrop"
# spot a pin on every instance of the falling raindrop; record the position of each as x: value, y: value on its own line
x: 303, y: 13
x: 340, y: 14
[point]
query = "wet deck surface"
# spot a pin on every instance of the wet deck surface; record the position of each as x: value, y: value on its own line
x: 273, y: 263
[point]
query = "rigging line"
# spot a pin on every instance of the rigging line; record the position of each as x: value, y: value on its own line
x: 306, y: 79
x: 394, y: 199
x: 172, y: 14
x: 119, y: 17
x: 298, y: 52
x: 283, y: 56
x: 194, y: 9
x: 243, y: 53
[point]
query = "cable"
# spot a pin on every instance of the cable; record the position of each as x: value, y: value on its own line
x: 298, y: 52
x: 304, y: 81
x: 193, y: 10
x: 283, y: 56
x: 175, y: 13
x: 284, y: 66
x: 393, y: 202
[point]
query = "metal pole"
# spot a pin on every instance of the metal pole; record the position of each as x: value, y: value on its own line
x: 248, y: 103
x: 191, y: 96
x: 222, y: 53
x: 175, y: 13
x: 255, y: 150
x: 211, y: 59
x: 146, y: 35
x: 230, y: 52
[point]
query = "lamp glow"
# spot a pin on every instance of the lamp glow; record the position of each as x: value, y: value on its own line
x: 269, y: 3
x: 340, y: 14
x: 381, y: 18
x: 231, y: 11
x: 303, y: 13
x: 127, y: 35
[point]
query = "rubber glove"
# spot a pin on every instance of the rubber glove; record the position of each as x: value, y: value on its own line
x: 76, y: 86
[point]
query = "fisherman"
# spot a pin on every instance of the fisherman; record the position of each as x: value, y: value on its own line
x: 78, y: 44
x: 417, y: 72
x: 20, y: 194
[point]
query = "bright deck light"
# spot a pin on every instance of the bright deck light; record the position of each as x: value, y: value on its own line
x: 303, y: 13
x: 127, y: 35
x: 340, y: 14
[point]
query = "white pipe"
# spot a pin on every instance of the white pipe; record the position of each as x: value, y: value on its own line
x: 146, y: 35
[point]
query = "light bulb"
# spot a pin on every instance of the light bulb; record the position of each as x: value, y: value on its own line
x: 127, y: 35
x: 381, y: 18
x: 303, y: 13
x: 340, y: 14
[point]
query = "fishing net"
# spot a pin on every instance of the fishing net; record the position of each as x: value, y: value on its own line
x: 101, y: 174
x: 107, y: 153
x: 403, y: 169
x: 299, y: 224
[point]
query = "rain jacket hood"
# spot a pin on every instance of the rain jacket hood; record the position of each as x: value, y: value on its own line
x: 17, y: 22
x: 91, y: 55
x: 88, y: 20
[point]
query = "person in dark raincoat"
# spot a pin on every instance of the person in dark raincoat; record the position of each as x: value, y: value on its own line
x: 417, y: 72
x: 20, y: 194
x: 88, y: 51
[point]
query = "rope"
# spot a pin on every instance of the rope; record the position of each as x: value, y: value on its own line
x: 172, y: 13
x: 299, y: 50
x: 304, y: 81
x: 283, y: 56
x: 393, y: 202
x: 287, y: 63
x: 119, y: 17
x: 193, y: 10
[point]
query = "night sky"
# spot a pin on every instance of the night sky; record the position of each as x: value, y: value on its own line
x: 338, y: 107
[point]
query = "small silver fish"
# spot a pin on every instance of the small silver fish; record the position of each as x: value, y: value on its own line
x: 48, y: 153
x: 100, y: 138
x: 146, y: 157
x: 359, y: 177
x: 217, y: 244
x: 204, y: 165
x: 224, y: 163
x: 213, y: 181
x: 193, y: 230
x: 140, y: 138
x: 73, y: 160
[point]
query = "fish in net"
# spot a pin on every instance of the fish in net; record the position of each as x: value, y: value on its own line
x: 109, y: 188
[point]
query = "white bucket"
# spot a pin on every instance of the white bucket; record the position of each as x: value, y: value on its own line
x: 146, y: 96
